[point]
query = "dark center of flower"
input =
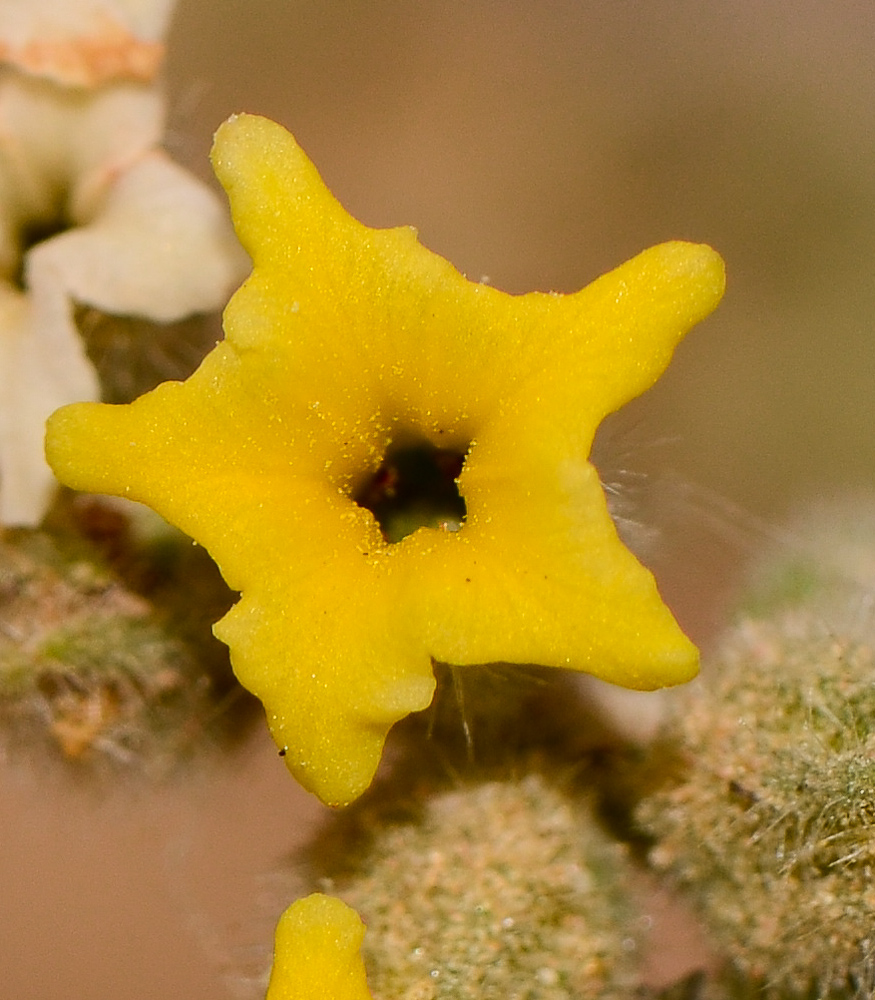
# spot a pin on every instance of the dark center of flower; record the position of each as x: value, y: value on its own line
x: 34, y: 231
x: 415, y: 487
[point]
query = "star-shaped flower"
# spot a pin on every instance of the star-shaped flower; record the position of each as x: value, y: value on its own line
x: 352, y: 354
x: 318, y: 952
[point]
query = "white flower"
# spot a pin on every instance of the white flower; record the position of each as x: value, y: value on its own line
x: 134, y: 233
x: 84, y: 42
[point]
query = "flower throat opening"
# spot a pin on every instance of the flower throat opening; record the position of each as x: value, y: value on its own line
x: 415, y: 487
x: 34, y: 231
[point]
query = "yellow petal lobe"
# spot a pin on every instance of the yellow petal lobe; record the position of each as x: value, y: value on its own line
x: 317, y: 953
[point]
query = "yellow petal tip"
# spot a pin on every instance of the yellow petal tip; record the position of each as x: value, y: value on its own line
x: 318, y: 952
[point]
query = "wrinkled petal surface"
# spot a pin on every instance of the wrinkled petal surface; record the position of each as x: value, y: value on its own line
x: 317, y: 953
x: 347, y: 339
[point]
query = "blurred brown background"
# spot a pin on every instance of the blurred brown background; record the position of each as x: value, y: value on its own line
x: 539, y: 144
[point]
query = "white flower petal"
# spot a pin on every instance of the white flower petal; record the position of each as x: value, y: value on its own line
x: 151, y: 240
x: 61, y: 148
x: 39, y: 371
x: 161, y: 246
x: 85, y: 43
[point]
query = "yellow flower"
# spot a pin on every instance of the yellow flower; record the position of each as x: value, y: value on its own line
x: 317, y: 952
x: 351, y: 355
